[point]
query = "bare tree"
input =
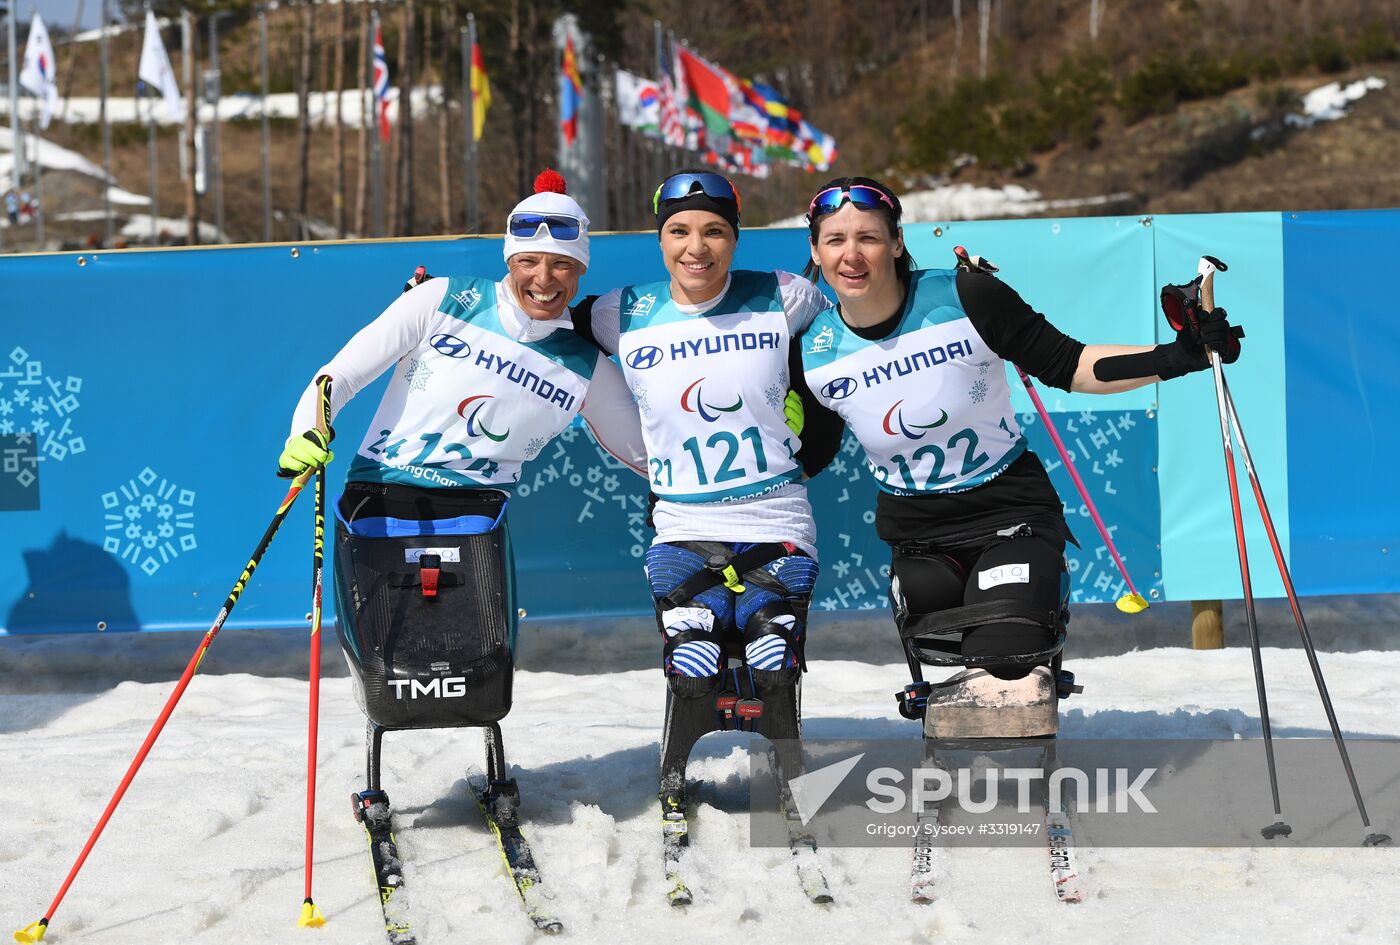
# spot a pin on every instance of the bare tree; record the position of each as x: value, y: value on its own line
x: 984, y: 23
x: 362, y: 172
x: 308, y: 37
x: 339, y: 140
x: 449, y: 31
x: 391, y: 167
x: 406, y: 194
x: 957, y: 37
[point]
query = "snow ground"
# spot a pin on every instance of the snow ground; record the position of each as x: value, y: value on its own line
x: 207, y: 846
x: 244, y: 106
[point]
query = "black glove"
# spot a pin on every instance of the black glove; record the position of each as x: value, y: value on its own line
x: 1211, y: 330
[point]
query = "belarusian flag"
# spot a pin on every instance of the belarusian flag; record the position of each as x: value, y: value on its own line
x: 709, y: 93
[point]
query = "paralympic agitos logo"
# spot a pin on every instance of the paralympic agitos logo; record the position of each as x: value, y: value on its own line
x: 708, y: 412
x: 470, y: 410
x: 895, y: 425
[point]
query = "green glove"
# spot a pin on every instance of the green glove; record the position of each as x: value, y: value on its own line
x: 303, y: 451
x: 793, y: 412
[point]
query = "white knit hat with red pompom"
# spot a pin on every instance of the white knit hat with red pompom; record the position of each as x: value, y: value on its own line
x: 549, y: 199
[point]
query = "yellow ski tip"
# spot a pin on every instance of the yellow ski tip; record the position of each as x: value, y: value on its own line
x: 32, y: 933
x: 1132, y: 604
x: 311, y: 917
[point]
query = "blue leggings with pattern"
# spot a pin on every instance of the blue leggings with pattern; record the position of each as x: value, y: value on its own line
x: 769, y: 615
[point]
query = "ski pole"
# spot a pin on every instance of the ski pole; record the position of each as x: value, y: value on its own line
x: 1206, y: 276
x: 1132, y: 602
x: 1371, y: 837
x: 34, y: 932
x: 311, y: 916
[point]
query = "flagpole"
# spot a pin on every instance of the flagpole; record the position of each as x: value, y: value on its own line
x: 191, y: 117
x: 216, y: 161
x: 106, y: 133
x: 376, y: 181
x: 362, y: 141
x: 38, y: 170
x: 613, y: 183
x: 469, y: 40
x: 151, y: 150
x: 16, y: 126
x: 266, y: 133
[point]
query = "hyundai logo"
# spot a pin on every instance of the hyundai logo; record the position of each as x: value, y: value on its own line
x: 645, y: 357
x: 451, y: 345
x: 839, y: 389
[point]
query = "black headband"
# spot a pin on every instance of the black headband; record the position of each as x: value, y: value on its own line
x: 698, y: 201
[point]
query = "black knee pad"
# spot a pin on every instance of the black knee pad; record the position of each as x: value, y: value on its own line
x: 693, y: 687
x: 924, y: 582
x: 1028, y: 569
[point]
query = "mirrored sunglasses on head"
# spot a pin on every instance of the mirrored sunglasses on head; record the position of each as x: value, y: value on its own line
x: 680, y: 186
x: 862, y: 196
x: 527, y: 225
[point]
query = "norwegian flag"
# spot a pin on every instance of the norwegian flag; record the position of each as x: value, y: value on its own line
x: 381, y: 84
x: 672, y: 124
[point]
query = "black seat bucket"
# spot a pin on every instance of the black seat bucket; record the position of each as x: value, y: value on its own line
x: 429, y: 657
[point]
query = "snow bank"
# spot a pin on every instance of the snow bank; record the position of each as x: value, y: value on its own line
x: 247, y: 106
x: 207, y: 846
x: 971, y: 202
x: 1329, y: 102
x: 55, y: 158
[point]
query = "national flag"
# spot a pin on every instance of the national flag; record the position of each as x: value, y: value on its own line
x: 821, y: 147
x: 381, y: 83
x: 481, y: 91
x: 570, y: 92
x: 668, y: 99
x: 779, y: 133
x: 38, y: 73
x: 154, y: 70
x: 708, y: 93
x: 749, y: 115
x: 638, y: 102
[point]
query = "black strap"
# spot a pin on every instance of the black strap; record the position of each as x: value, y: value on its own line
x: 920, y: 650
x: 718, y: 562
x: 944, y: 622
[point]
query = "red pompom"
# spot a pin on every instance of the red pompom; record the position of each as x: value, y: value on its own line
x: 550, y: 181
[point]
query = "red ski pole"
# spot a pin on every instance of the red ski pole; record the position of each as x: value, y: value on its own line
x: 1132, y: 602
x: 311, y: 916
x: 34, y: 932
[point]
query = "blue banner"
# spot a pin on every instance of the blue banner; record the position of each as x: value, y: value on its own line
x: 145, y: 396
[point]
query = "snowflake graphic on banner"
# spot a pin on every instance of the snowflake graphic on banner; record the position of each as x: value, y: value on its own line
x: 149, y: 521
x: 532, y: 449
x: 36, y: 413
x: 597, y: 484
x: 417, y: 374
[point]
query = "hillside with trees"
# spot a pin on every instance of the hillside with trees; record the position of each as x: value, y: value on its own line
x: 1176, y: 106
